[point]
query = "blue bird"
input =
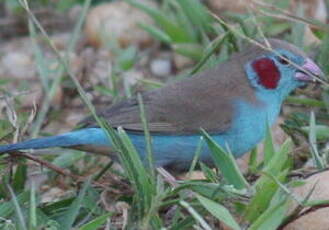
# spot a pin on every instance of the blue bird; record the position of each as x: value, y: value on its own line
x: 233, y: 102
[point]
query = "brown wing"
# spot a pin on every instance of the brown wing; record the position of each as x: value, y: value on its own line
x: 202, y: 101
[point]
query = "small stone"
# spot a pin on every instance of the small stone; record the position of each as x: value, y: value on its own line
x: 117, y: 21
x: 18, y: 65
x: 52, y: 194
x: 161, y: 67
x: 181, y: 61
x: 132, y: 77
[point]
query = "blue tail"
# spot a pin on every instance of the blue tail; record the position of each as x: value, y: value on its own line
x: 90, y: 136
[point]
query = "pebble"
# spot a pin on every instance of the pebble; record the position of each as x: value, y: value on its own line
x: 117, y: 21
x: 161, y: 67
x: 18, y: 65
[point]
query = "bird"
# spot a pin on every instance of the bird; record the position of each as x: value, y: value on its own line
x: 234, y: 102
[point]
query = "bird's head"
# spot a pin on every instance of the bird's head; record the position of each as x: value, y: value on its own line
x: 281, y: 70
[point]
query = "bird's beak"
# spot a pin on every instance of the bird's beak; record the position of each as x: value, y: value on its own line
x: 309, y: 72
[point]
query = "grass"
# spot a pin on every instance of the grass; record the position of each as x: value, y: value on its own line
x: 139, y: 197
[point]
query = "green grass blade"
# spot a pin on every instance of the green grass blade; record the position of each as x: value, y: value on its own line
x: 209, y: 52
x: 306, y: 102
x: 197, y: 14
x: 147, y: 135
x: 195, y: 215
x: 279, y: 160
x: 156, y: 33
x: 252, y: 164
x: 265, y: 189
x: 322, y: 131
x: 196, y: 157
x: 18, y: 210
x: 226, y: 163
x: 190, y: 50
x: 268, y: 146
x: 185, y: 224
x: 182, y: 19
x: 219, y: 211
x: 141, y: 176
x: 209, y: 173
x: 126, y: 58
x: 318, y: 162
x: 298, y: 29
x: 137, y: 173
x: 7, y: 208
x: 33, y: 208
x: 73, y: 211
x: 20, y: 177
x: 97, y: 222
x: 175, y: 32
x: 271, y: 218
x: 324, y: 54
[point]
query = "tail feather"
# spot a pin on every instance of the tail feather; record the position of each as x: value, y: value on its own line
x: 90, y: 136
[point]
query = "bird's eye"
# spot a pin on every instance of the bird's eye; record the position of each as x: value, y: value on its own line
x: 284, y: 60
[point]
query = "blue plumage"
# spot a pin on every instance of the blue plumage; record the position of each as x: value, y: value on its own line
x: 80, y: 137
x: 244, y: 134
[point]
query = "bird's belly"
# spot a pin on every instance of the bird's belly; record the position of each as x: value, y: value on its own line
x: 179, y: 151
x: 249, y: 126
x: 247, y: 129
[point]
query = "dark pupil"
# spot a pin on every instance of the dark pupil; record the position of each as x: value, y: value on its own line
x: 283, y: 61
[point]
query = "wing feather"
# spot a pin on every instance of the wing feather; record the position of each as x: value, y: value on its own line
x: 202, y: 101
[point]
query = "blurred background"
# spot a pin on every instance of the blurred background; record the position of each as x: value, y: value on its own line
x: 116, y: 49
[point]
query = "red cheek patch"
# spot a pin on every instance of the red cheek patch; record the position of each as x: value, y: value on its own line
x: 268, y: 73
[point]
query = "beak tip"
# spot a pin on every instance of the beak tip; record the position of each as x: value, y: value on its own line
x: 313, y: 72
